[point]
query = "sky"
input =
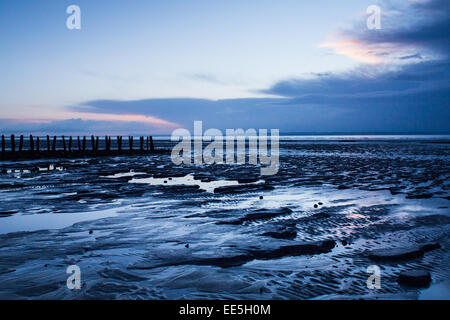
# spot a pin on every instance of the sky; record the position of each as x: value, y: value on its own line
x: 143, y: 66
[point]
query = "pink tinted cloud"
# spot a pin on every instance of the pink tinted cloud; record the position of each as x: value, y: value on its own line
x: 150, y: 120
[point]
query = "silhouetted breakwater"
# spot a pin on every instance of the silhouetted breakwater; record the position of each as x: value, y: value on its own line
x: 69, y: 147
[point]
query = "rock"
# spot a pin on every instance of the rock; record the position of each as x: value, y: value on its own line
x: 320, y: 215
x: 315, y: 206
x: 419, y: 196
x: 430, y: 246
x: 415, y: 278
x: 261, y: 197
x: 344, y: 242
x: 240, y: 259
x: 244, y: 188
x: 8, y: 212
x: 320, y: 203
x: 295, y: 250
x: 395, y: 190
x: 187, y: 245
x: 395, y: 254
x: 288, y: 234
x: 182, y: 188
x: 247, y: 180
x: 91, y: 231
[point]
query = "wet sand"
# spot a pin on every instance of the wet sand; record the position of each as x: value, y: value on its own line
x: 142, y: 227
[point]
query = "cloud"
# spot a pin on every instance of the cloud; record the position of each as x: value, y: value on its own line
x: 412, y: 56
x: 78, y: 127
x: 141, y: 118
x: 405, y: 81
x: 369, y: 81
x: 205, y: 77
x: 407, y: 27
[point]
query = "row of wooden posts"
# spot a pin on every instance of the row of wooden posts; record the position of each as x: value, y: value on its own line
x: 81, y: 144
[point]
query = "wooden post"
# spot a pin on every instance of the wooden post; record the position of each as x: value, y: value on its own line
x: 70, y: 144
x: 107, y: 143
x: 48, y: 143
x: 54, y: 143
x: 130, y: 142
x: 3, y: 143
x: 13, y: 143
x: 152, y: 146
x: 119, y: 143
x: 21, y: 143
x: 96, y: 143
x: 93, y: 143
x: 64, y: 143
x: 31, y: 143
x: 84, y: 143
x: 141, y: 147
x: 79, y: 144
x: 37, y: 144
x: 147, y: 143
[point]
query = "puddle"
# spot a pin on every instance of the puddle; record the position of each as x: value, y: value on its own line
x: 188, y: 180
x: 48, y: 221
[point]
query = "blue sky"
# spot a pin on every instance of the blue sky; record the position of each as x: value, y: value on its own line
x: 152, y: 66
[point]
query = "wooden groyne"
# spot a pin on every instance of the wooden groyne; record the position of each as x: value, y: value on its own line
x: 69, y: 147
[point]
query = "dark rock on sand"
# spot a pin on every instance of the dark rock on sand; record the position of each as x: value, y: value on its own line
x: 395, y: 254
x: 247, y: 180
x: 419, y: 196
x: 295, y: 250
x: 287, y: 234
x: 395, y: 190
x: 8, y: 213
x: 240, y: 259
x: 243, y: 188
x: 430, y: 246
x: 182, y: 188
x: 199, y: 176
x: 415, y: 278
